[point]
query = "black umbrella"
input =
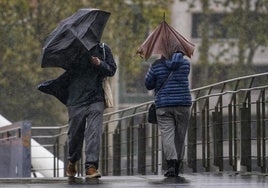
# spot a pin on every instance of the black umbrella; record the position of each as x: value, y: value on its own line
x: 81, y: 31
x: 57, y: 87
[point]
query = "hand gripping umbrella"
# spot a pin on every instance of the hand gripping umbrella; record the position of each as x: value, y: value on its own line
x: 165, y: 40
x: 82, y: 30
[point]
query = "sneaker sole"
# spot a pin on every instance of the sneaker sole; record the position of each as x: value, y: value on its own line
x: 70, y: 175
x: 93, y: 176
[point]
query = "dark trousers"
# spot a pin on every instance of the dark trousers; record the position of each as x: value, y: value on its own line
x: 85, y: 124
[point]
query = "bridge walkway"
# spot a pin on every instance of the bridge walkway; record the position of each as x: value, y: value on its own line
x: 192, y: 180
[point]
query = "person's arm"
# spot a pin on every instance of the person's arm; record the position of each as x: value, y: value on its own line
x: 150, y: 79
x: 108, y: 66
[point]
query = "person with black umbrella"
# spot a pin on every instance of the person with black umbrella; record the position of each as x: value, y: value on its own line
x: 85, y: 108
x: 75, y: 46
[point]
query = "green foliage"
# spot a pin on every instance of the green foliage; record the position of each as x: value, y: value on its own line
x: 25, y: 24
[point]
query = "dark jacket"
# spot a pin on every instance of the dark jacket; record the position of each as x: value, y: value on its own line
x: 176, y: 91
x: 82, y: 83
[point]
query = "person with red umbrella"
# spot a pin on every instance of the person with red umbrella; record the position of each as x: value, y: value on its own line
x: 168, y: 76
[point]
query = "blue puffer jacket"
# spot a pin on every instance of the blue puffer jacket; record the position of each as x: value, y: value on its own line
x: 176, y: 91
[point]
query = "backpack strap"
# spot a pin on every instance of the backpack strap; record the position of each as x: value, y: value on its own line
x: 103, y: 50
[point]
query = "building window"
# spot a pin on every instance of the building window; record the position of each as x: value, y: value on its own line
x: 218, y: 24
x: 215, y: 27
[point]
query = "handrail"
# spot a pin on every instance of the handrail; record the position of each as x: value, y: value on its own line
x: 229, y: 81
x: 221, y: 117
x: 229, y: 92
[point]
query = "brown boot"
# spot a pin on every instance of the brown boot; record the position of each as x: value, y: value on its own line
x: 71, y: 169
x: 92, y: 172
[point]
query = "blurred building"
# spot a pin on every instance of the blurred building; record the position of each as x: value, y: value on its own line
x: 187, y: 21
x: 186, y: 18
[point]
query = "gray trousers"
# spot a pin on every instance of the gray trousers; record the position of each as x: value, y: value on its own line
x: 85, y: 123
x: 173, y: 124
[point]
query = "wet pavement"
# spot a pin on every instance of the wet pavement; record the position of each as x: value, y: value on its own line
x: 194, y: 180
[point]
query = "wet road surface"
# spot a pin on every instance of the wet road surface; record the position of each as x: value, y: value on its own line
x: 194, y: 180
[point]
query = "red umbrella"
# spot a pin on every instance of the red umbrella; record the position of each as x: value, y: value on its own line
x: 165, y: 40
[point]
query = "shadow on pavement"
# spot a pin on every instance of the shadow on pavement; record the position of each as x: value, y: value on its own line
x: 81, y: 180
x: 171, y: 180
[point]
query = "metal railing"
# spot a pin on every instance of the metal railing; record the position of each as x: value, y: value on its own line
x: 227, y: 132
x: 228, y: 125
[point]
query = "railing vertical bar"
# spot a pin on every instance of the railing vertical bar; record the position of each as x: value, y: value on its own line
x: 249, y: 126
x: 54, y: 160
x: 58, y: 156
x: 128, y: 149
x: 157, y: 149
x: 132, y: 145
x: 153, y: 147
x: 258, y: 121
x: 116, y: 153
x: 103, y: 153
x: 235, y: 133
x: 264, y: 156
x: 245, y: 137
x: 203, y: 138
x: 142, y: 149
x: 230, y: 134
x: 65, y: 157
x: 192, y: 139
x: 208, y: 137
x: 107, y: 150
x: 220, y: 122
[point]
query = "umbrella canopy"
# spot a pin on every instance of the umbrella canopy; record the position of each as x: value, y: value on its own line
x: 57, y: 87
x: 165, y: 40
x: 81, y: 31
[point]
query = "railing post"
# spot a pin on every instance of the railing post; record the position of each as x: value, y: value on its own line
x: 218, y: 138
x: 235, y: 128
x: 117, y: 153
x: 128, y: 149
x: 163, y: 161
x: 261, y: 140
x: 264, y: 156
x: 156, y: 135
x: 205, y: 136
x: 155, y: 149
x: 132, y: 145
x: 54, y: 159
x: 103, y: 154
x: 65, y: 158
x: 191, y: 139
x: 81, y: 163
x: 230, y: 135
x: 142, y: 149
x: 245, y: 137
x: 259, y: 134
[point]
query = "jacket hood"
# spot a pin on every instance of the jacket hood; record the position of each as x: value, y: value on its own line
x: 176, y: 60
